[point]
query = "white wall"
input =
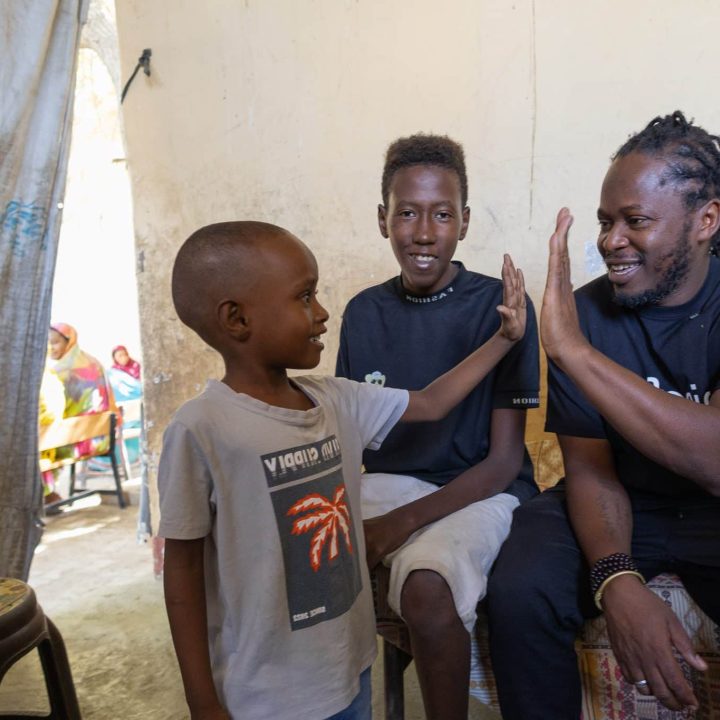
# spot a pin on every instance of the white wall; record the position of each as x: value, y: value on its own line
x: 281, y: 110
x: 94, y: 288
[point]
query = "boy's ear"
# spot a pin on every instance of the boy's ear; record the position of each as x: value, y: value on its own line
x: 233, y: 320
x: 465, y: 222
x: 382, y: 220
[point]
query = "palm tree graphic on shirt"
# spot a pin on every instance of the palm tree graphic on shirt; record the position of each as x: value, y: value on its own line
x: 329, y: 519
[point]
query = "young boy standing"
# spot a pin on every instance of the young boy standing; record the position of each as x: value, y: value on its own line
x: 439, y: 495
x: 266, y: 586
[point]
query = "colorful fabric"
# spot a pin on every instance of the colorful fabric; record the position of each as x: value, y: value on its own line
x: 607, y: 696
x: 131, y: 367
x: 87, y: 390
x: 51, y: 408
x: 52, y: 398
x: 126, y: 388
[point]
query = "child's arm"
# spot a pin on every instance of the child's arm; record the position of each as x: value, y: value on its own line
x: 184, y: 581
x: 436, y: 400
x: 490, y: 476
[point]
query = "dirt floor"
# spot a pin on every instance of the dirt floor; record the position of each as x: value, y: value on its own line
x: 96, y: 583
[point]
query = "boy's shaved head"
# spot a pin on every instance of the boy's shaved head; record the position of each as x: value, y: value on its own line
x: 217, y: 262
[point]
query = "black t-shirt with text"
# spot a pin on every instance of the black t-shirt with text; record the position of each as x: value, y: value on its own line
x: 396, y: 339
x: 676, y: 349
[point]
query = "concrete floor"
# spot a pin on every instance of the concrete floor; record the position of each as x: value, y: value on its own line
x: 96, y: 583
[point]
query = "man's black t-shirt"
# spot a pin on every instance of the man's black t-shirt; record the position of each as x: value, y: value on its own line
x: 676, y: 349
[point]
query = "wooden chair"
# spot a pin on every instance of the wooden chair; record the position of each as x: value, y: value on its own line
x: 397, y: 653
x: 71, y: 431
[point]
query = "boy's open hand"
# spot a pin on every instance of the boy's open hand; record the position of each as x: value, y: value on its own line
x: 559, y: 326
x: 513, y: 311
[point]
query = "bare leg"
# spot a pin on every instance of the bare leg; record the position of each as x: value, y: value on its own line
x: 440, y: 645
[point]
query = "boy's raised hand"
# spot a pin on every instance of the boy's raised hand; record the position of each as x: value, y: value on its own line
x: 438, y: 398
x: 513, y: 311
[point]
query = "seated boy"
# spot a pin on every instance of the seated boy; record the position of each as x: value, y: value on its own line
x: 266, y: 586
x: 440, y: 543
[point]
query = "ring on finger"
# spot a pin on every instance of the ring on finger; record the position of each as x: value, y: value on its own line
x: 641, y: 684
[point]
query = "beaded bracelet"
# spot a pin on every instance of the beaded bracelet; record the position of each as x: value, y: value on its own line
x: 608, y: 568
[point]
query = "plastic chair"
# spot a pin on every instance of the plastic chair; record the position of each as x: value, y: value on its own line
x: 24, y: 627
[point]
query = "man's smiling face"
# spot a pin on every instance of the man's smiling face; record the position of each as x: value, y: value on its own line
x: 645, y: 235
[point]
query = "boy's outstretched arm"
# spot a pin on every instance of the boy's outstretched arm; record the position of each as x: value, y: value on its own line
x: 436, y: 400
x: 184, y: 581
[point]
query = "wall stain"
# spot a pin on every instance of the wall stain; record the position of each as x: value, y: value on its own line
x: 533, y: 79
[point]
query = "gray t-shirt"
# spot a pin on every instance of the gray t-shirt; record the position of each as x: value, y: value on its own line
x: 277, y: 492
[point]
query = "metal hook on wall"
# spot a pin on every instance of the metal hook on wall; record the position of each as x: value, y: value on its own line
x: 144, y: 63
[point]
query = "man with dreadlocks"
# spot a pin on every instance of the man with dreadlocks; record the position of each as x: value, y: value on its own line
x: 634, y: 396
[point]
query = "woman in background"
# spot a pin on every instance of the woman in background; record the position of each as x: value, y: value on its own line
x: 123, y: 361
x: 87, y: 392
x: 124, y: 378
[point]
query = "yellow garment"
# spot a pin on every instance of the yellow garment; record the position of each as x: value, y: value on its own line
x: 51, y: 408
x: 52, y: 398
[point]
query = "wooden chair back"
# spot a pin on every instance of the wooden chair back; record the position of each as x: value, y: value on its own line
x: 70, y: 432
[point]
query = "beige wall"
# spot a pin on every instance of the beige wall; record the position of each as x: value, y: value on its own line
x: 280, y: 110
x: 94, y: 288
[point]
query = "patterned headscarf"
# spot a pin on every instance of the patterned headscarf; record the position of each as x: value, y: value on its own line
x: 68, y: 332
x: 86, y: 388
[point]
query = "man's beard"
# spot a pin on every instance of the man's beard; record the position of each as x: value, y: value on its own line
x: 677, y: 268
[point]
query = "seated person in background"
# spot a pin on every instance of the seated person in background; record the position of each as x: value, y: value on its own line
x: 87, y: 391
x: 122, y: 361
x: 440, y: 494
x: 633, y: 396
x: 126, y: 389
x: 266, y: 587
x: 124, y: 375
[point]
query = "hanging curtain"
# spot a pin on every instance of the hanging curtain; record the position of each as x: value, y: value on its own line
x: 37, y: 81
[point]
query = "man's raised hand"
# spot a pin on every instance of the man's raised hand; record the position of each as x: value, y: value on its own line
x: 559, y: 327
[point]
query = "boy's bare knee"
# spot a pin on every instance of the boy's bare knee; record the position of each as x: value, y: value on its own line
x: 427, y: 600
